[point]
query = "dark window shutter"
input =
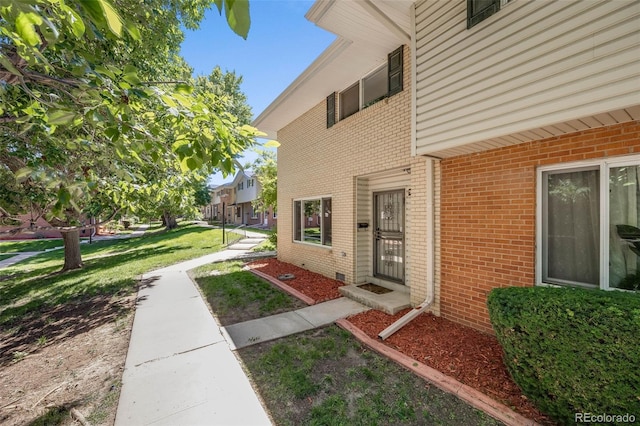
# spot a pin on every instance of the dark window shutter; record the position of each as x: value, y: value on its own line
x: 331, y: 110
x: 479, y: 10
x: 395, y: 63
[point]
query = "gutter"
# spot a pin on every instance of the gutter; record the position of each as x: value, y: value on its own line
x: 431, y: 287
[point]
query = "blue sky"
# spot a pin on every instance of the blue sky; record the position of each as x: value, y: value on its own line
x: 281, y: 44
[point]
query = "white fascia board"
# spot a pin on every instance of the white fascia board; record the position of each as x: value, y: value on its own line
x: 327, y: 57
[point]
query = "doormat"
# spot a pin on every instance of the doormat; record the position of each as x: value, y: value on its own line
x: 375, y: 288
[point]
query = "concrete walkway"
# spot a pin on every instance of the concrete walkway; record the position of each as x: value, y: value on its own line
x: 181, y: 369
x: 276, y: 326
x: 18, y: 257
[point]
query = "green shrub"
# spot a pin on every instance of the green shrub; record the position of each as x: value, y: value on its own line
x: 571, y: 350
x: 273, y: 236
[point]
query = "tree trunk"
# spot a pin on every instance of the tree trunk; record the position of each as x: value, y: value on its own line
x: 169, y: 220
x: 72, y: 255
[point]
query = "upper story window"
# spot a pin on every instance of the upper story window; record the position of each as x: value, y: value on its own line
x: 384, y: 81
x: 350, y: 101
x: 240, y: 186
x: 479, y: 10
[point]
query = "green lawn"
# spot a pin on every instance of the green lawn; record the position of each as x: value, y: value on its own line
x: 29, y: 245
x: 236, y: 295
x: 110, y: 267
x: 6, y: 256
x: 324, y: 376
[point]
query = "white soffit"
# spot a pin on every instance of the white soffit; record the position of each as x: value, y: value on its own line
x: 595, y: 121
x: 367, y: 31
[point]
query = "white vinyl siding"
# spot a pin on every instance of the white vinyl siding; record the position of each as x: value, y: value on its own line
x: 532, y: 64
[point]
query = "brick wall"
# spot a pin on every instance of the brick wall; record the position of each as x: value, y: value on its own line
x: 315, y: 161
x: 487, y: 215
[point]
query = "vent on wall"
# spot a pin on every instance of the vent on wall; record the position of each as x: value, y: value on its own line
x: 339, y: 276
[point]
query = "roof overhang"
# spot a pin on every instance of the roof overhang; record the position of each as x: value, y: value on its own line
x: 367, y: 30
x: 531, y: 134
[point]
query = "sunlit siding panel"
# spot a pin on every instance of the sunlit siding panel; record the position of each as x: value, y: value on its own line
x: 533, y: 64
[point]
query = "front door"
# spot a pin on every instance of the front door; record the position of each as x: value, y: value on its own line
x: 388, y: 262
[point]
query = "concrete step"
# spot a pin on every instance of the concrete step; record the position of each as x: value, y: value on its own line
x: 241, y: 246
x: 246, y: 244
x: 252, y: 240
x: 391, y: 302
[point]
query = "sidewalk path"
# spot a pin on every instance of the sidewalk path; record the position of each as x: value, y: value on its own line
x: 181, y: 369
x: 18, y: 258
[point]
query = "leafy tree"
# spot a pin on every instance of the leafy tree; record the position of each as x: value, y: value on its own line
x: 226, y: 85
x: 96, y: 112
x: 266, y: 170
x: 202, y: 195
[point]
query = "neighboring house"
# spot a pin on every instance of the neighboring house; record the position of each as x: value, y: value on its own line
x: 507, y: 157
x: 26, y: 220
x: 247, y: 188
x: 236, y: 199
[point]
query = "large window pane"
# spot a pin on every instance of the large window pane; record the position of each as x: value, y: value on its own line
x: 312, y: 222
x: 326, y: 221
x: 350, y: 101
x: 624, y: 221
x: 374, y: 86
x: 571, y: 227
x: 297, y: 215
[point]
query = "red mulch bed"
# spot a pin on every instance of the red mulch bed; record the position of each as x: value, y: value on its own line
x: 316, y: 286
x: 470, y: 356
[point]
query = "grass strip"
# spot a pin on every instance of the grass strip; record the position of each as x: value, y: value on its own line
x: 110, y: 267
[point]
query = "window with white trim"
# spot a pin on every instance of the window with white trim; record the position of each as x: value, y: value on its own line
x: 312, y: 221
x: 589, y: 224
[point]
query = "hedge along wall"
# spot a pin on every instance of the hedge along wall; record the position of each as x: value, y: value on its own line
x: 488, y: 214
x: 571, y: 350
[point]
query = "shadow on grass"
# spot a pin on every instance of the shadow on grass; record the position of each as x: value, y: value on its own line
x: 40, y: 305
x: 57, y: 287
x: 52, y: 325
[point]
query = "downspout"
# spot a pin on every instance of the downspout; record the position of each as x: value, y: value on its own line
x: 431, y: 290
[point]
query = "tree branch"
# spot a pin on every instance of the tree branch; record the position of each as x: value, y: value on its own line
x: 37, y: 77
x: 153, y: 83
